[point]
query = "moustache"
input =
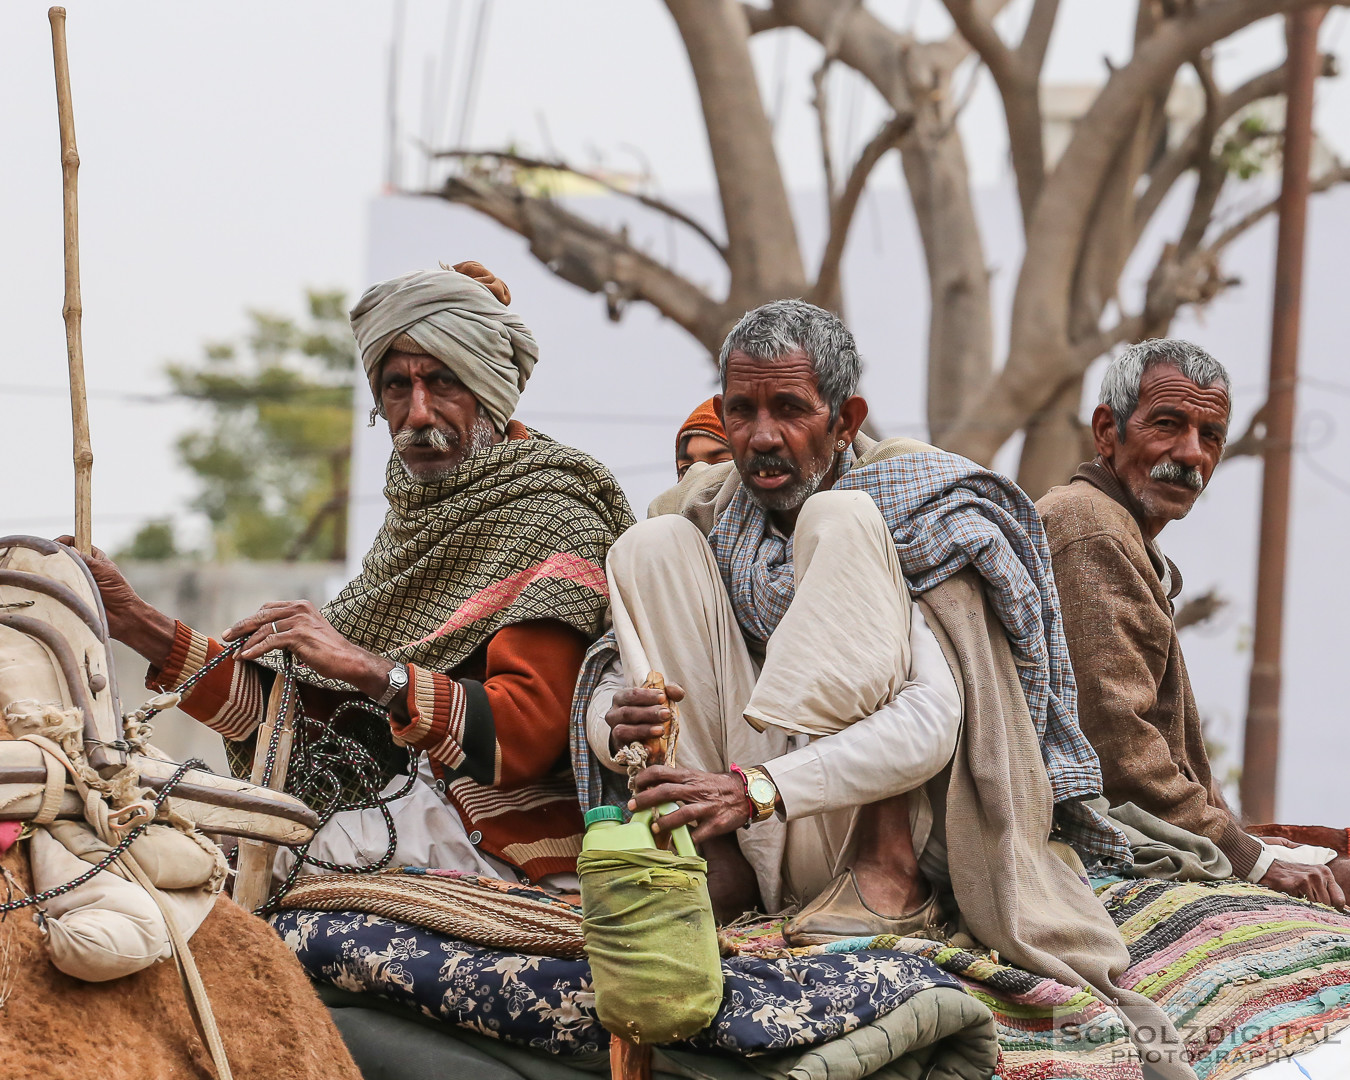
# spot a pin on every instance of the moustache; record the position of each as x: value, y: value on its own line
x: 442, y: 440
x: 770, y: 463
x: 1173, y: 473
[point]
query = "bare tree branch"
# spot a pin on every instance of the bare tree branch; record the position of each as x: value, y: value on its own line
x: 1212, y: 172
x: 593, y: 258
x: 1174, y: 164
x: 762, y: 18
x: 649, y: 201
x: 1340, y: 174
x: 1036, y: 36
x: 826, y: 290
x: 865, y: 44
x: 1199, y: 609
x: 821, y: 101
x: 980, y: 34
x: 1182, y: 157
x: 1178, y: 281
x: 1041, y: 343
x: 1252, y: 441
x: 1017, y: 75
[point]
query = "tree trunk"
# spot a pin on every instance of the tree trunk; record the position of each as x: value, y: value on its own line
x: 1057, y: 442
x: 762, y: 249
x: 960, y: 321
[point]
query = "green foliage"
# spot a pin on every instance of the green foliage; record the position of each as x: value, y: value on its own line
x: 273, y: 458
x: 155, y: 540
x: 1251, y: 147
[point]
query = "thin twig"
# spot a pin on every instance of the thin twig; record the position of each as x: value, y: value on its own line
x: 834, y: 36
x: 841, y: 213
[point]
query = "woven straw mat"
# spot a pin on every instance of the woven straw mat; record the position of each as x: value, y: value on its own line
x: 457, y: 907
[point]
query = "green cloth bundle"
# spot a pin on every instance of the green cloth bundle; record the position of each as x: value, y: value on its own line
x: 652, y: 943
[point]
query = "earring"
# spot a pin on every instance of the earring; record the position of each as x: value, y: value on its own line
x: 841, y: 445
x: 374, y: 412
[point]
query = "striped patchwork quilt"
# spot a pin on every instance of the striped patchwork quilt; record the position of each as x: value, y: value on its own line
x: 1248, y: 977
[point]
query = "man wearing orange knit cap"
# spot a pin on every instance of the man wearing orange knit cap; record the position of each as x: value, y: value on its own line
x: 701, y: 439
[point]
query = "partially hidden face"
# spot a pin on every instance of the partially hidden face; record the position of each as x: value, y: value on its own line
x: 700, y: 448
x: 1172, y: 442
x: 435, y: 421
x: 779, y: 428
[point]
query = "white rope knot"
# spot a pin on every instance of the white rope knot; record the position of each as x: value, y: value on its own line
x: 136, y: 727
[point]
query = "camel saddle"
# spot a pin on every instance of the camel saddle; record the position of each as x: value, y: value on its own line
x: 54, y: 653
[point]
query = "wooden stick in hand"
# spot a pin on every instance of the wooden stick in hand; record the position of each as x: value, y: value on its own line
x: 72, y: 310
x: 662, y: 747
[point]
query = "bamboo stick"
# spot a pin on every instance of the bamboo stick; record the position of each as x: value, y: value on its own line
x: 72, y: 310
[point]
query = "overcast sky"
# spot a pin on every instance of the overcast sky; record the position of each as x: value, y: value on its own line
x: 229, y: 152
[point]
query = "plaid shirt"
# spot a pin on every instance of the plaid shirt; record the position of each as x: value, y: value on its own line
x: 945, y: 513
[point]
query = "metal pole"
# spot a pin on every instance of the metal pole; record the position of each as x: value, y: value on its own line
x: 1261, y: 746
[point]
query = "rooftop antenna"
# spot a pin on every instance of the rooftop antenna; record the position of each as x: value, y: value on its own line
x: 428, y: 123
x: 470, y: 95
x: 391, y: 169
x: 449, y: 45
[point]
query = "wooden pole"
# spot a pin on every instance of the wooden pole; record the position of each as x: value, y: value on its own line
x: 629, y: 1061
x: 253, y: 871
x: 1261, y: 739
x: 72, y: 310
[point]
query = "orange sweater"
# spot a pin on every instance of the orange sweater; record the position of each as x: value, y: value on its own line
x: 494, y: 731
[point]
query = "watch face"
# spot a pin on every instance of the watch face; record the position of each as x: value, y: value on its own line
x: 762, y: 791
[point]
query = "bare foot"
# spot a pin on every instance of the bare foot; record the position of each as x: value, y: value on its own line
x: 732, y: 885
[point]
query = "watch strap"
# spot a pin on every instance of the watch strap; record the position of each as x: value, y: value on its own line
x: 762, y: 811
x: 396, y: 686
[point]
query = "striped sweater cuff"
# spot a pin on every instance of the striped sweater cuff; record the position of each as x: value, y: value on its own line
x: 436, y: 709
x: 186, y: 658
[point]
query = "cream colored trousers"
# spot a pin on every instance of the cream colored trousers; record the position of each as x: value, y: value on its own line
x: 840, y: 653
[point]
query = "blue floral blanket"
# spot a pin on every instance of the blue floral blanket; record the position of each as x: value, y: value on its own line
x: 544, y: 1003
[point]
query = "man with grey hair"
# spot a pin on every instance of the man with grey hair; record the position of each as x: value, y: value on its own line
x: 1159, y: 432
x: 812, y: 606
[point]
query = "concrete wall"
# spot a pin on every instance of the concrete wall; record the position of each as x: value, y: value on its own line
x: 209, y: 598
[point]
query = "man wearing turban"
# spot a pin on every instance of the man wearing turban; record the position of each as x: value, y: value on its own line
x: 467, y: 623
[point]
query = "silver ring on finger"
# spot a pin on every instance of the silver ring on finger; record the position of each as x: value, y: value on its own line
x: 275, y: 631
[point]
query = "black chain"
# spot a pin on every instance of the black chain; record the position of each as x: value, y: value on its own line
x: 314, y: 780
x: 107, y: 860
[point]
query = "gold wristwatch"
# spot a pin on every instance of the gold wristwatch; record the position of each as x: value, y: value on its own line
x: 762, y: 792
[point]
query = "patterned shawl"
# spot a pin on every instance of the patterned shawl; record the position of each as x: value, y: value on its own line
x: 518, y: 532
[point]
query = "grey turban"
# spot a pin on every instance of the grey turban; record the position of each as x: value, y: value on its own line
x: 458, y: 321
